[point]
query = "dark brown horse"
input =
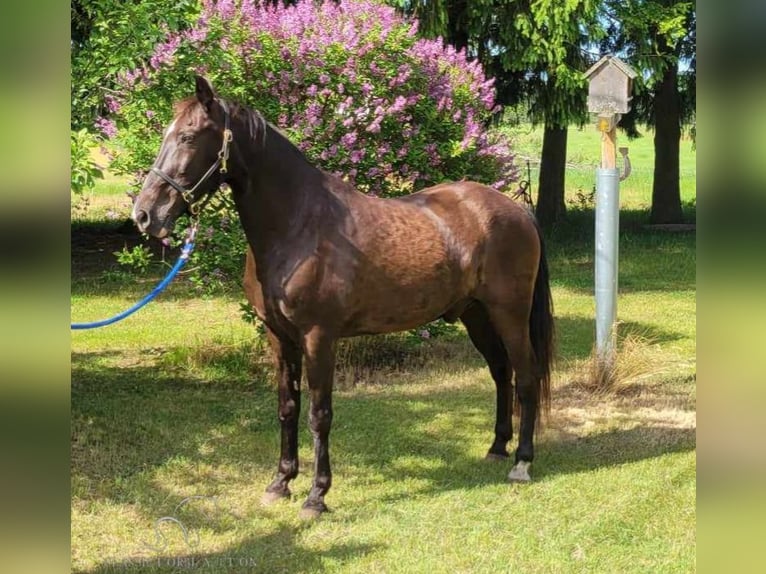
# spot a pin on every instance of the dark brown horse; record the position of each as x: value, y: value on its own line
x: 326, y: 262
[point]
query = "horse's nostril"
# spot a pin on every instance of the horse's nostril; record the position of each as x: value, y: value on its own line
x: 142, y: 219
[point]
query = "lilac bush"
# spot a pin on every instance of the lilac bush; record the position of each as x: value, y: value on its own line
x: 350, y: 84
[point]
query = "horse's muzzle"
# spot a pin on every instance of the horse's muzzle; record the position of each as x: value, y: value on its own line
x: 142, y: 219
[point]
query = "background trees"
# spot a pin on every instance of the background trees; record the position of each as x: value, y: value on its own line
x: 537, y: 51
x: 659, y: 38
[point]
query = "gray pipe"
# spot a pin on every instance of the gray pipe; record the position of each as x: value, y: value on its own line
x: 607, y: 235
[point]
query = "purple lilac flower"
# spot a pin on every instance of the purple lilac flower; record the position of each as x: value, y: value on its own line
x: 163, y: 53
x: 112, y: 104
x: 314, y: 113
x: 399, y: 104
x: 107, y: 127
x: 349, y: 139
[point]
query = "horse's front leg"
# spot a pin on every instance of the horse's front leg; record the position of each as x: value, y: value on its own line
x: 288, y: 357
x: 319, y: 349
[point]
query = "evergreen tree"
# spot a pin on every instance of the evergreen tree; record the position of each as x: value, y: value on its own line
x: 537, y: 51
x: 659, y: 39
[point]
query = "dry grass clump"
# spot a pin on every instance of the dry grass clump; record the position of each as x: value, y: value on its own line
x: 633, y: 360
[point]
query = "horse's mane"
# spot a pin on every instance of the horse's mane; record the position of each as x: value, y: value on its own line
x: 256, y: 124
x: 183, y: 106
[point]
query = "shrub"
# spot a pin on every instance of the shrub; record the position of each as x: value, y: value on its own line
x: 84, y: 171
x: 349, y: 83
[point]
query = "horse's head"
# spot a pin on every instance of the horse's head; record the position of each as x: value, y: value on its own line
x: 190, y: 164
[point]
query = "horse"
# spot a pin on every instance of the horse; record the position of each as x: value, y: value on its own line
x: 325, y: 262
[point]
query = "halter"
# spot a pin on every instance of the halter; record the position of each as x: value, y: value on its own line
x: 189, y: 195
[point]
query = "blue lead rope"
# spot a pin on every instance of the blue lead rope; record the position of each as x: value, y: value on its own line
x: 182, y: 259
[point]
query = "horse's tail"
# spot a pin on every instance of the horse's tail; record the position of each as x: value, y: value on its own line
x: 541, y: 329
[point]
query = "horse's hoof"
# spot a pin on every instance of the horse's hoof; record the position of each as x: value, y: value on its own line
x: 520, y: 472
x: 496, y: 457
x: 312, y: 512
x: 270, y: 498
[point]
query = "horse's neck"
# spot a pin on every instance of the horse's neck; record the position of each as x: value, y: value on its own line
x: 279, y: 194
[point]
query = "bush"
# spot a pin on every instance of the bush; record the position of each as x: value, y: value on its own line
x: 349, y: 83
x: 84, y: 171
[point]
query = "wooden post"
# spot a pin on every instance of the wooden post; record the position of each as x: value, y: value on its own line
x: 609, y: 149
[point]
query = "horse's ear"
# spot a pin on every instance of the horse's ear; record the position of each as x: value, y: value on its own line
x: 205, y: 92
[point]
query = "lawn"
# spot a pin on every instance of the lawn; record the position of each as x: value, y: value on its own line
x: 174, y: 430
x: 584, y: 156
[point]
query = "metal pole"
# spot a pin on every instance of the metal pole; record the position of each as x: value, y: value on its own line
x: 607, y: 235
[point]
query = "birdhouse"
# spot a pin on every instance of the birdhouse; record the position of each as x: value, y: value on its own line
x: 610, y: 85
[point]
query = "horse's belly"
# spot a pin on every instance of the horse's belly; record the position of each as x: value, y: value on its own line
x: 382, y: 306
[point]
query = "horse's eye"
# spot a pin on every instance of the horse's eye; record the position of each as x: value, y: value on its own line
x: 187, y: 138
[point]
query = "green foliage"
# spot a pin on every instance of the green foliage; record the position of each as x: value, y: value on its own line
x: 536, y: 50
x: 247, y: 313
x: 137, y: 259
x: 83, y: 170
x: 583, y: 200
x: 112, y: 35
x: 652, y: 36
x: 217, y: 262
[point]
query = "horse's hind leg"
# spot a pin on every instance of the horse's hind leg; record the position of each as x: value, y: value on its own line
x: 319, y: 349
x: 490, y: 345
x: 512, y: 325
x: 288, y: 357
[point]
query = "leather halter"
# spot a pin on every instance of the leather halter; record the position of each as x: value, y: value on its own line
x: 190, y: 195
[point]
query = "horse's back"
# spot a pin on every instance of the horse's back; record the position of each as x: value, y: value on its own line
x: 477, y: 214
x: 497, y: 234
x: 434, y: 250
x: 484, y: 203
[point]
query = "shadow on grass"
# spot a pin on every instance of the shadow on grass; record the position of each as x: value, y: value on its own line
x: 386, y: 433
x: 129, y: 420
x: 649, y: 260
x: 575, y: 336
x: 95, y: 270
x: 277, y: 551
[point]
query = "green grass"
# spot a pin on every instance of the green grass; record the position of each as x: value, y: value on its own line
x: 107, y: 202
x: 584, y: 156
x: 177, y: 401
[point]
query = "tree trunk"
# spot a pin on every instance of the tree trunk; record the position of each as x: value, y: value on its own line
x: 550, y: 198
x: 666, y: 190
x: 457, y: 34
